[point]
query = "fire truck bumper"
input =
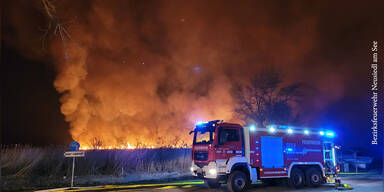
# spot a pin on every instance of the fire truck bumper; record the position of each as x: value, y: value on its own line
x: 209, y: 171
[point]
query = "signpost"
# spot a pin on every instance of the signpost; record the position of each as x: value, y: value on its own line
x: 74, y: 147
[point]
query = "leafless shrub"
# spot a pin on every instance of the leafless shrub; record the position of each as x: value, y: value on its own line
x: 34, y: 165
x: 96, y: 143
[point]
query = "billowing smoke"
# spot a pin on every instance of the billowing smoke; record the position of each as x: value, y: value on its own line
x: 143, y: 72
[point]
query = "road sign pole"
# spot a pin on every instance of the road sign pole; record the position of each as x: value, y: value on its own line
x: 73, y: 170
x: 74, y: 146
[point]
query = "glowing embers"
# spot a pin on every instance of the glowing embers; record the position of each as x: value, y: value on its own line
x: 127, y: 146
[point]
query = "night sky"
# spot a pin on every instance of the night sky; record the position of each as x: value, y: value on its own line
x: 154, y: 48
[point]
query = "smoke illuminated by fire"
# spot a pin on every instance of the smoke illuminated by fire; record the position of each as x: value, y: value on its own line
x: 139, y: 74
x: 123, y: 82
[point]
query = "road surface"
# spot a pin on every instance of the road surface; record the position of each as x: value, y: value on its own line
x: 362, y: 183
x: 359, y: 185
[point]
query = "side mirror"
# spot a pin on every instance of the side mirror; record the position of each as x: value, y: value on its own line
x: 191, y: 132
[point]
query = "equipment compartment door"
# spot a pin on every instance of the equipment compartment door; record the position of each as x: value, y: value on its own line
x: 272, y: 152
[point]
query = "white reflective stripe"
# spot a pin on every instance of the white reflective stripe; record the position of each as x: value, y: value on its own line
x: 275, y: 172
x: 252, y: 151
x: 229, y: 151
x: 218, y: 151
x: 238, y: 151
x: 201, y: 147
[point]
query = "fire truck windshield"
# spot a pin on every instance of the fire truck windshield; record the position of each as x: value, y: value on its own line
x: 203, y: 137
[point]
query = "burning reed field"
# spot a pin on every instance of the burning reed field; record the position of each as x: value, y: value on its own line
x: 26, y: 167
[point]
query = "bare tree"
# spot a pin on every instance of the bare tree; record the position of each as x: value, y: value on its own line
x: 265, y: 101
x: 55, y: 26
x: 96, y: 143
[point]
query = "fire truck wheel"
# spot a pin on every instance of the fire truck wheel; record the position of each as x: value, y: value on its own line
x: 212, y: 183
x: 296, y: 179
x: 237, y: 181
x: 314, y: 178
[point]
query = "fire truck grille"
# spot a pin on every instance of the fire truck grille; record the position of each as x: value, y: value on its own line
x: 201, y: 165
x: 200, y: 155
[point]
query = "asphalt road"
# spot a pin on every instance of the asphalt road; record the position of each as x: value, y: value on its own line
x: 360, y: 183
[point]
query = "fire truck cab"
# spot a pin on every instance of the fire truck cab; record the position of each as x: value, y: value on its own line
x: 239, y: 156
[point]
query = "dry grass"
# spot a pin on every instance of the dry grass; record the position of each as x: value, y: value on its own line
x: 28, y: 167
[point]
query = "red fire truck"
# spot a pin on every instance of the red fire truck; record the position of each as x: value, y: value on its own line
x: 239, y: 156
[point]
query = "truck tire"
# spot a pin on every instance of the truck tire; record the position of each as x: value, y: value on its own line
x: 212, y: 183
x: 313, y: 177
x: 237, y: 181
x: 296, y: 179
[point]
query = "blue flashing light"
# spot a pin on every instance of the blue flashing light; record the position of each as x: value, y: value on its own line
x: 321, y: 133
x: 272, y: 129
x: 306, y: 132
x: 330, y: 134
x: 290, y: 131
x: 283, y: 126
x: 199, y: 122
x: 289, y: 149
x: 252, y: 128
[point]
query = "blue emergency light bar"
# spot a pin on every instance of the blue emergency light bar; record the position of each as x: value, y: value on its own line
x: 270, y: 128
x: 200, y: 122
x: 291, y: 130
x: 207, y: 126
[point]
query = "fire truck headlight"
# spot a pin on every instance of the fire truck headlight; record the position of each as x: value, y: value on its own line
x: 212, y: 171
